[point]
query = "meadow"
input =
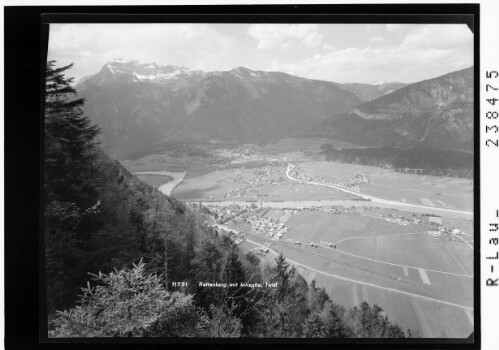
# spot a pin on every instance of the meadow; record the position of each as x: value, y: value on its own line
x: 318, y: 226
x: 421, y: 250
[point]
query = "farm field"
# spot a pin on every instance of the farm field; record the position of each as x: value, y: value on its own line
x: 349, y: 268
x: 419, y: 250
x: 310, y: 226
x: 430, y: 318
x: 446, y: 192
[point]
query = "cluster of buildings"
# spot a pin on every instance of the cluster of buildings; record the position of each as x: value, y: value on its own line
x: 300, y: 174
x: 448, y: 233
x: 238, y: 192
x: 431, y: 220
x: 271, y: 227
x: 399, y: 221
x: 268, y: 175
x: 229, y: 213
x: 329, y: 244
x: 355, y: 181
x: 353, y: 185
x: 339, y: 210
x: 311, y: 244
x: 241, y: 154
x: 234, y: 175
x: 359, y: 179
x: 350, y: 187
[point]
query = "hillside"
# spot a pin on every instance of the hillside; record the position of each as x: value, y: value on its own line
x: 435, y: 113
x: 142, y: 108
x: 426, y: 126
x: 369, y: 92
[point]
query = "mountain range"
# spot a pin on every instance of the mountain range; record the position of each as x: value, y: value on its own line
x: 145, y: 107
x: 141, y: 107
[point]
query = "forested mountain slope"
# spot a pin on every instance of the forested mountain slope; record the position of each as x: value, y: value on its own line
x: 435, y: 113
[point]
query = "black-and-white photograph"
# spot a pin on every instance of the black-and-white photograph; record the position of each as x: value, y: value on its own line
x: 259, y: 180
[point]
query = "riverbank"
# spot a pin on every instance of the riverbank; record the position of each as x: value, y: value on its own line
x: 168, y: 187
x: 344, y: 203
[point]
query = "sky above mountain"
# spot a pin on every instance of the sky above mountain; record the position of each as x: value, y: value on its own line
x: 362, y: 53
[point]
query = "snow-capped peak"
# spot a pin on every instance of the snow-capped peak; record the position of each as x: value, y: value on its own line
x: 121, y: 60
x: 243, y: 72
x: 144, y: 71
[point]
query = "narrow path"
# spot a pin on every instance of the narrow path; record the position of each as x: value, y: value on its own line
x: 369, y: 237
x: 469, y: 245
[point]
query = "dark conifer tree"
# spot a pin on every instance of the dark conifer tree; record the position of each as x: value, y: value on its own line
x: 68, y: 191
x: 234, y: 270
x: 281, y: 274
x: 69, y: 140
x: 207, y: 268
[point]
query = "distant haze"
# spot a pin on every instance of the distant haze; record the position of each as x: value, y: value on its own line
x: 360, y: 53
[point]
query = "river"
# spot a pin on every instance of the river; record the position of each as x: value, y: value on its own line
x: 168, y: 187
x: 344, y: 203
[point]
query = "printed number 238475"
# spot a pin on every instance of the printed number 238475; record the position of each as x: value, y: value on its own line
x: 492, y: 114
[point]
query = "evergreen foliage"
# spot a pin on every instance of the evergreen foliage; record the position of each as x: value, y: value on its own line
x: 130, y: 303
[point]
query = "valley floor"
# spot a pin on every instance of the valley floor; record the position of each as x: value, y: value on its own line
x: 358, y: 231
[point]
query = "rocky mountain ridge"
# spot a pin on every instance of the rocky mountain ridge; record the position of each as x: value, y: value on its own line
x: 142, y: 107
